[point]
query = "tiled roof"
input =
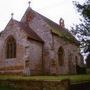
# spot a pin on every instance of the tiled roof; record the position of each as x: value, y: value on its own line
x: 62, y: 32
x: 55, y: 28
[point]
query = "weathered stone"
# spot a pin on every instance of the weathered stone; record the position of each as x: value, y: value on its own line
x: 37, y: 47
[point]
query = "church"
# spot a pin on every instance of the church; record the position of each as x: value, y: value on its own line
x: 36, y: 45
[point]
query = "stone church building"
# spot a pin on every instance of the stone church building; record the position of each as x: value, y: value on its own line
x: 35, y: 45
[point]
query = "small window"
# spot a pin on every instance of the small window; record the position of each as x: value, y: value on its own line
x: 11, y: 48
x: 61, y: 56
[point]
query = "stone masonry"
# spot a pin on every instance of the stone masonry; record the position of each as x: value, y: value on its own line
x: 38, y: 40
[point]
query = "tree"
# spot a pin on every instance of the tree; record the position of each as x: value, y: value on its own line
x: 82, y: 31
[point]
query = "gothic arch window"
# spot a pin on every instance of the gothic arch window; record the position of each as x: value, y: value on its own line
x: 11, y: 48
x: 61, y: 56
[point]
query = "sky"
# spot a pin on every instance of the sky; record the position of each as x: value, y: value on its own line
x: 52, y: 9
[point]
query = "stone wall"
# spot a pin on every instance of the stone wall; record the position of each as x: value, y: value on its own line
x: 70, y: 52
x: 34, y: 58
x: 12, y: 65
x: 28, y: 53
x: 42, y: 29
x: 34, y: 85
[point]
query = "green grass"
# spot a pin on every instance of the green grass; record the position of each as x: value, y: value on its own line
x: 73, y: 78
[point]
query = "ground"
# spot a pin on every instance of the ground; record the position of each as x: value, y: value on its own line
x: 73, y: 78
x: 65, y: 82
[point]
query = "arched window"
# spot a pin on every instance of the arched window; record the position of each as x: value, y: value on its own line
x: 61, y: 56
x: 10, y: 48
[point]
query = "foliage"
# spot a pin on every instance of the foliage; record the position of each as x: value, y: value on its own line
x: 82, y: 31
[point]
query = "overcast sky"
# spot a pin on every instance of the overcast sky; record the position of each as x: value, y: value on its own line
x: 53, y: 9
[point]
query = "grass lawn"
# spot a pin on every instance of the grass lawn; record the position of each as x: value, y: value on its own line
x: 73, y: 78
